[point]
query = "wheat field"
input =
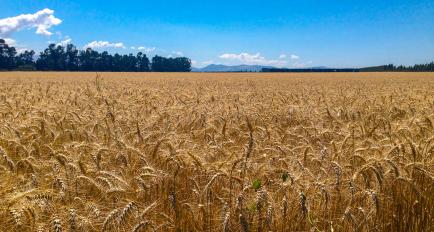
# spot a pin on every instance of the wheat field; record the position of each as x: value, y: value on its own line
x: 216, y: 152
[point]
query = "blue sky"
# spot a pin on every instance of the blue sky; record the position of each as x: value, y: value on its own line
x: 300, y: 33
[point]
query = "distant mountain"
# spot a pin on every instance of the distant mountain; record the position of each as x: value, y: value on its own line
x: 226, y: 68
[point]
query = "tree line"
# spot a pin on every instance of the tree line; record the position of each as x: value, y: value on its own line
x: 429, y: 67
x: 69, y: 58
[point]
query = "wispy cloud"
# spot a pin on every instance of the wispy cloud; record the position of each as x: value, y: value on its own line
x: 294, y: 57
x: 283, y: 56
x: 22, y: 50
x: 64, y: 42
x: 247, y: 58
x: 104, y: 44
x: 146, y: 49
x: 10, y: 42
x: 42, y: 20
x: 177, y: 53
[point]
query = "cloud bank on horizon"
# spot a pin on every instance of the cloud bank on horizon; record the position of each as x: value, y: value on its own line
x: 258, y: 59
x: 253, y: 59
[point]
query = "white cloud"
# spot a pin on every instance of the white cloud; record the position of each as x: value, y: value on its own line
x: 247, y: 58
x: 294, y: 57
x: 146, y: 49
x: 134, y: 48
x: 193, y: 62
x: 283, y: 56
x: 10, y: 42
x: 104, y: 44
x: 41, y: 20
x: 65, y: 42
x: 22, y: 50
x: 177, y: 53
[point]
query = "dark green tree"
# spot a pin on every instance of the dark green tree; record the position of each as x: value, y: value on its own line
x: 52, y: 58
x: 142, y: 63
x: 7, y: 56
x: 72, y: 59
x: 163, y: 64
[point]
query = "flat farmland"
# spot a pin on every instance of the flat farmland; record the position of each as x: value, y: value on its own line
x: 216, y: 151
